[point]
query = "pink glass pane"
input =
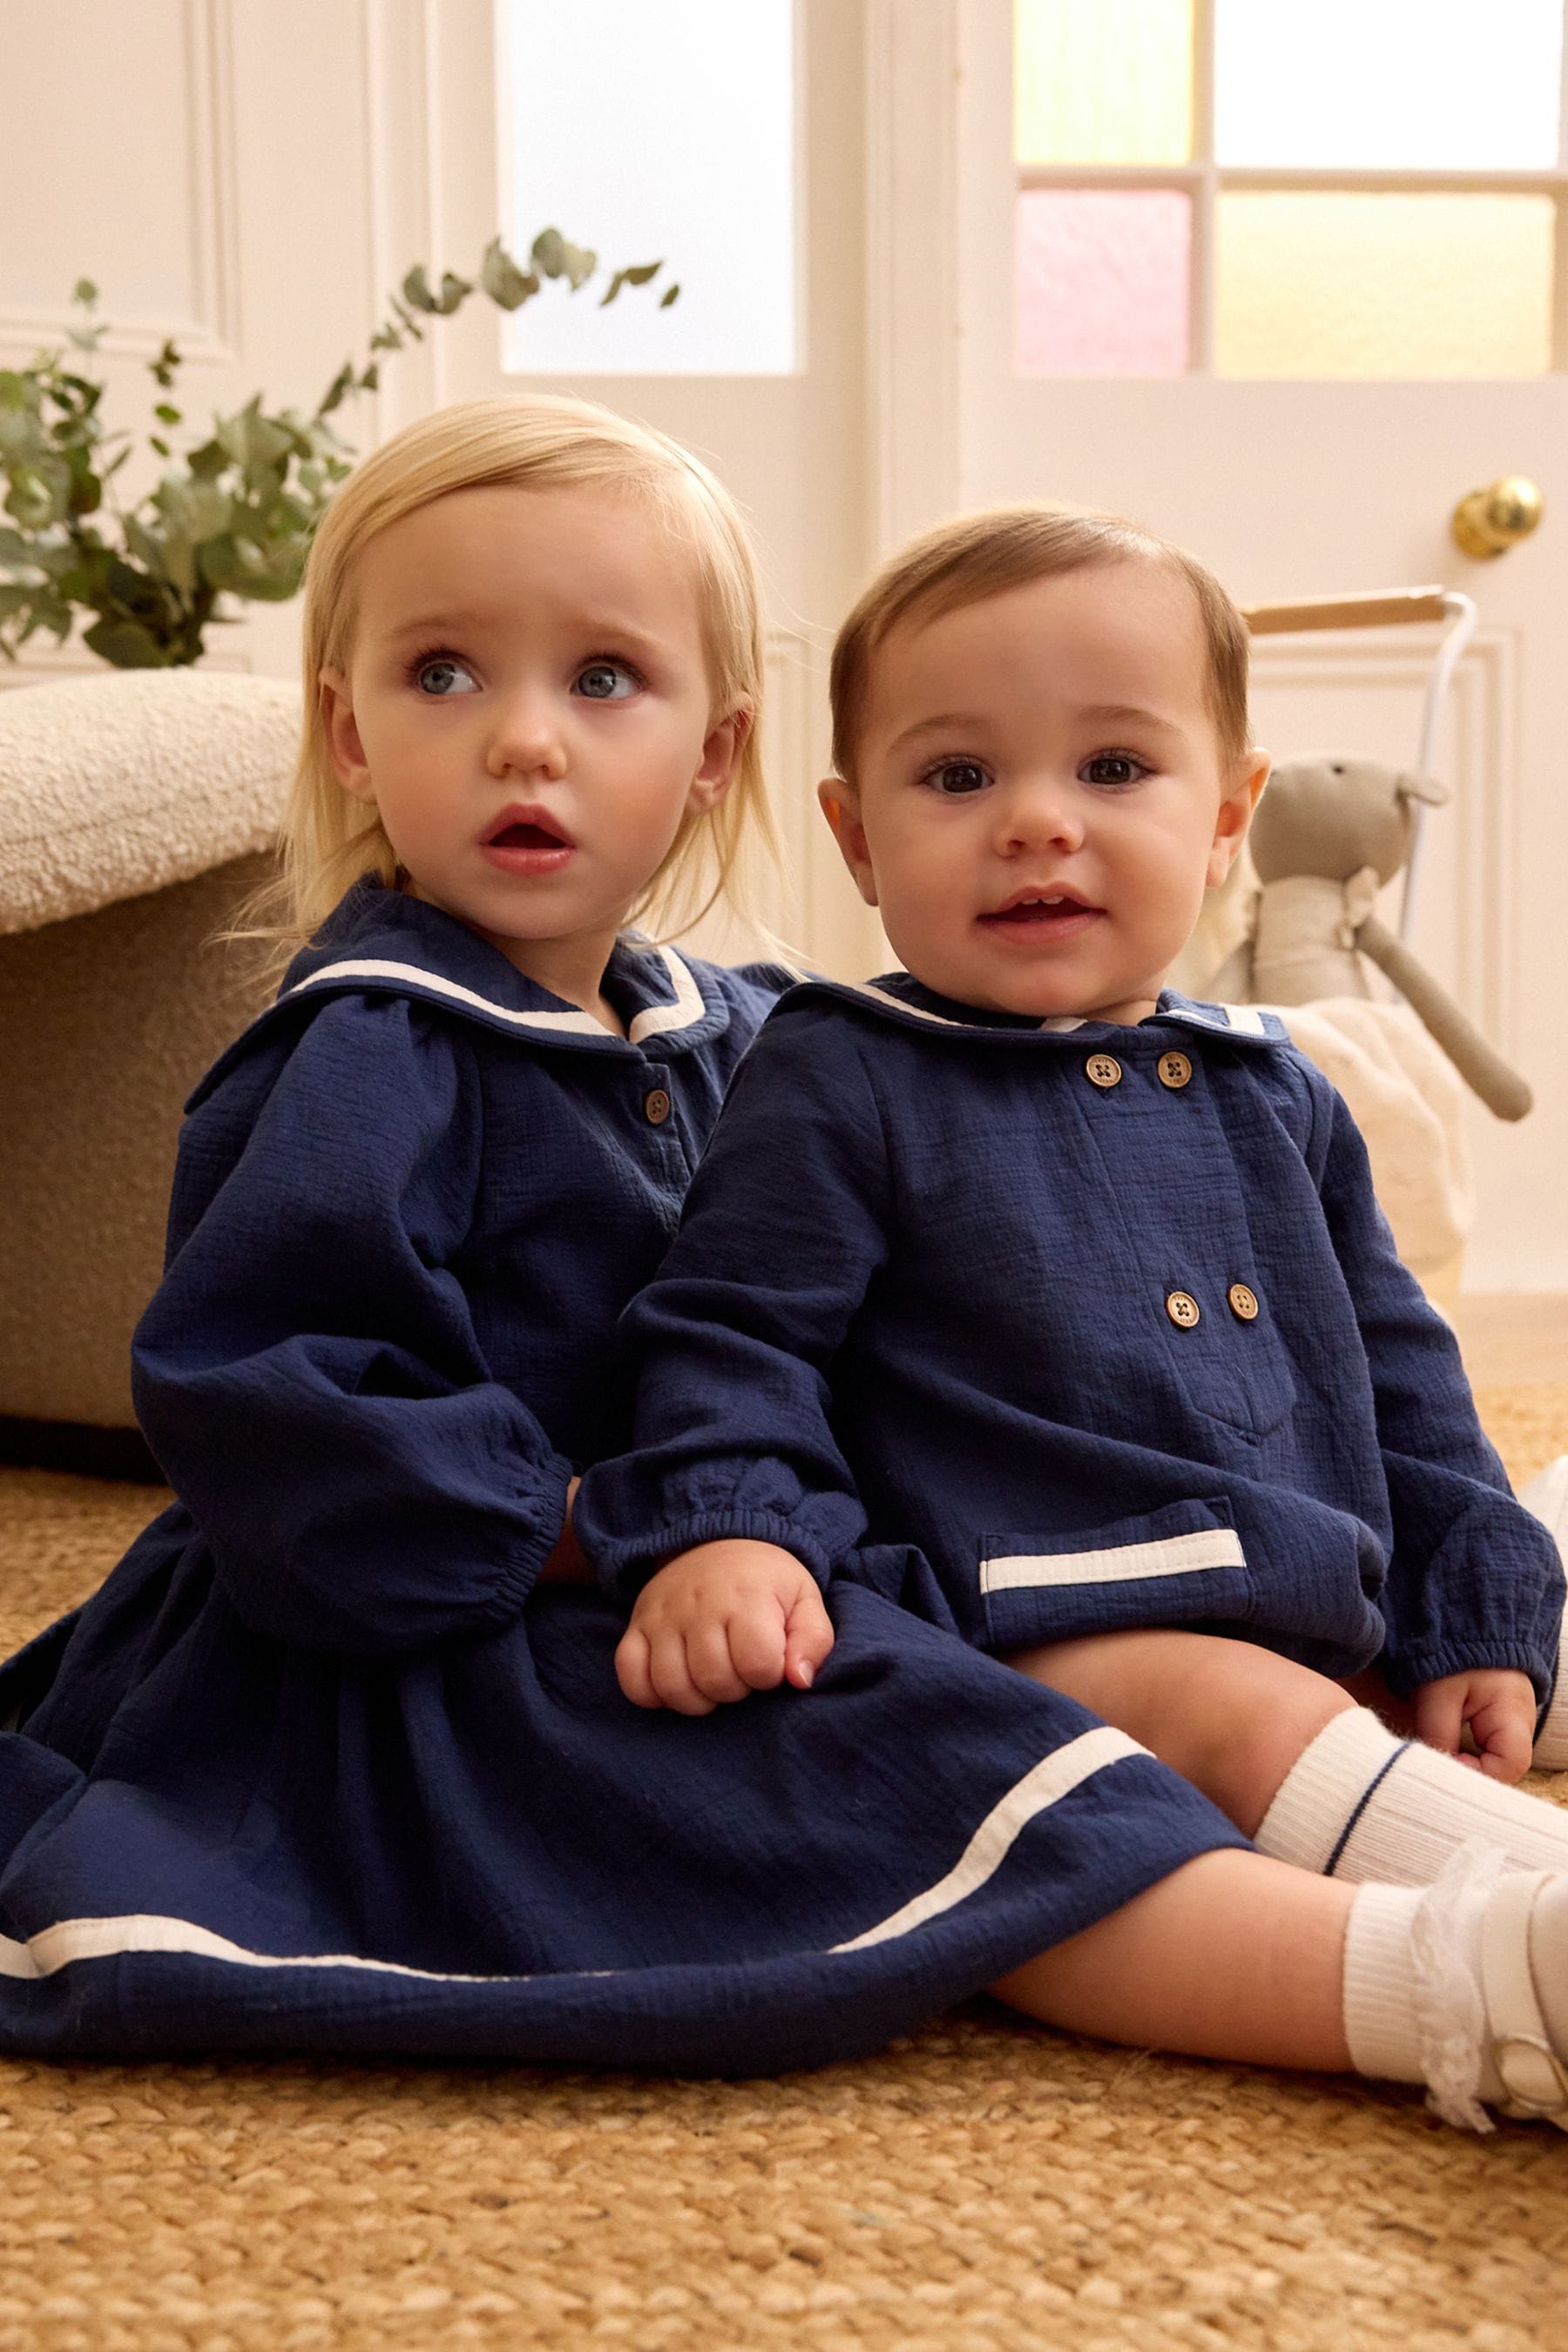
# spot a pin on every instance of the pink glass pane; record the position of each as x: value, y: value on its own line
x: 1103, y: 281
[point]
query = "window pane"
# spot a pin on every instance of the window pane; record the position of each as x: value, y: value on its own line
x: 1388, y: 84
x: 1103, y: 281
x: 655, y: 133
x: 1102, y: 81
x: 1341, y: 285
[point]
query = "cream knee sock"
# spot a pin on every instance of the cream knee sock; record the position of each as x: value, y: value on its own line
x: 1463, y: 1986
x: 1361, y: 1805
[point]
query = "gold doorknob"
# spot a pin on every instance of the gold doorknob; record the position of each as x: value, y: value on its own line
x: 1489, y: 522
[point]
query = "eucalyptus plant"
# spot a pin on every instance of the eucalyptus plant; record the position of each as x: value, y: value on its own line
x: 234, y: 512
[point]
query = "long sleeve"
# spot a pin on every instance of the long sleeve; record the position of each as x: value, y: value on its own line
x: 308, y: 1374
x: 731, y: 1347
x: 1474, y: 1578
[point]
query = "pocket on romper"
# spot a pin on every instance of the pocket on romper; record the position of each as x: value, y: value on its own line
x: 1168, y: 1567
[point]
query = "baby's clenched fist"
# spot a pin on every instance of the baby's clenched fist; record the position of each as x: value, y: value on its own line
x: 720, y: 1621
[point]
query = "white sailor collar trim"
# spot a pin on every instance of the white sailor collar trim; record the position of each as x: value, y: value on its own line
x: 1242, y: 1024
x: 690, y: 1009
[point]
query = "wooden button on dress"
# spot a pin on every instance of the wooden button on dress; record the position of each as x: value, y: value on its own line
x: 1183, y: 1308
x: 1175, y: 1070
x: 1103, y: 1070
x: 1243, y: 1302
x: 656, y: 1105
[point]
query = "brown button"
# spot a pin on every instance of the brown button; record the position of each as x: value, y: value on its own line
x: 1243, y: 1302
x: 1183, y: 1308
x: 1175, y: 1071
x: 1103, y: 1070
x: 656, y: 1105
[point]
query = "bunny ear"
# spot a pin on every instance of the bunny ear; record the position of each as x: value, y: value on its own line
x: 1422, y: 788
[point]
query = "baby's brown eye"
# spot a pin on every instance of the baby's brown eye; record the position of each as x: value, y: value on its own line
x: 955, y: 777
x: 1112, y: 768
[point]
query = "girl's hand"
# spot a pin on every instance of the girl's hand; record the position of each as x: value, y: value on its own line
x: 720, y: 1621
x: 1499, y: 1706
x: 565, y: 1564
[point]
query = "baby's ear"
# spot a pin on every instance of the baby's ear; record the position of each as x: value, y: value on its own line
x: 720, y: 762
x: 344, y: 749
x: 1236, y: 812
x: 841, y: 807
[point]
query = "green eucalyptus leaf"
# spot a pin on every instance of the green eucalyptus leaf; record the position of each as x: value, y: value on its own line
x: 581, y: 264
x: 338, y: 390
x: 641, y: 271
x: 207, y: 462
x: 128, y: 645
x: 549, y: 254
x: 85, y: 292
x: 616, y: 282
x: 454, y: 292
x: 31, y: 499
x: 416, y: 290
x: 133, y: 591
x: 669, y: 296
x: 508, y: 286
x: 144, y: 546
x: 219, y: 563
x: 167, y: 414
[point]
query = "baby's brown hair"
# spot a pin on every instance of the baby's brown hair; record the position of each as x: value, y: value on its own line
x: 963, y: 562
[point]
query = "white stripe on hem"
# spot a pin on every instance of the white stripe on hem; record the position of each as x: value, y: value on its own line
x: 1123, y: 1564
x: 1056, y: 1776
x: 1053, y: 1777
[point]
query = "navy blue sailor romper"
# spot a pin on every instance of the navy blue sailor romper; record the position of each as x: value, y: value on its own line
x: 1105, y: 1319
x: 321, y: 1766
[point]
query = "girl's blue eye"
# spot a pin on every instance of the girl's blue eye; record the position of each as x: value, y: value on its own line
x: 606, y: 681
x: 441, y: 678
x: 954, y: 778
x: 1113, y: 768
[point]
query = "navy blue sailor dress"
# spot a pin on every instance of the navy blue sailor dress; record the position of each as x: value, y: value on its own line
x: 322, y: 1766
x: 1104, y: 1319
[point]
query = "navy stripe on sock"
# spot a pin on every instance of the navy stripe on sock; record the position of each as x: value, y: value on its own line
x: 1362, y: 1802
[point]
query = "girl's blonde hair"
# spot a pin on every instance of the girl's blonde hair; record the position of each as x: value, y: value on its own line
x: 981, y: 555
x: 534, y: 442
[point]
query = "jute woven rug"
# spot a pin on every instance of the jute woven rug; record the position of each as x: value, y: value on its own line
x: 982, y: 2187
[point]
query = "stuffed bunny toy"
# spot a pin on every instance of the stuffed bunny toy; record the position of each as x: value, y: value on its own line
x: 1330, y: 832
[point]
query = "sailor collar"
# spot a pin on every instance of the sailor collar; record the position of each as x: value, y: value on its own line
x: 898, y: 997
x: 380, y: 943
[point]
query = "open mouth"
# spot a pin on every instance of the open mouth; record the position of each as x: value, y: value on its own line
x: 526, y: 836
x: 1046, y: 915
x: 527, y: 841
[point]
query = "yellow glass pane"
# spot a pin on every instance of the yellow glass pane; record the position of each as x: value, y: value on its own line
x: 1353, y: 285
x: 1102, y: 81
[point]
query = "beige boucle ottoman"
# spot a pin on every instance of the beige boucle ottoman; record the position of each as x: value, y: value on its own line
x: 136, y: 810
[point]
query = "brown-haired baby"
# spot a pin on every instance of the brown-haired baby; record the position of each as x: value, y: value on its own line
x: 1055, y: 1312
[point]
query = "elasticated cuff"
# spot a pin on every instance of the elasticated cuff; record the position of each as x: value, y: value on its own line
x: 626, y: 1568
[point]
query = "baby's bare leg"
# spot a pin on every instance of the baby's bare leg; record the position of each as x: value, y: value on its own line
x: 1228, y: 1716
x: 1459, y: 1984
x: 1232, y: 1956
